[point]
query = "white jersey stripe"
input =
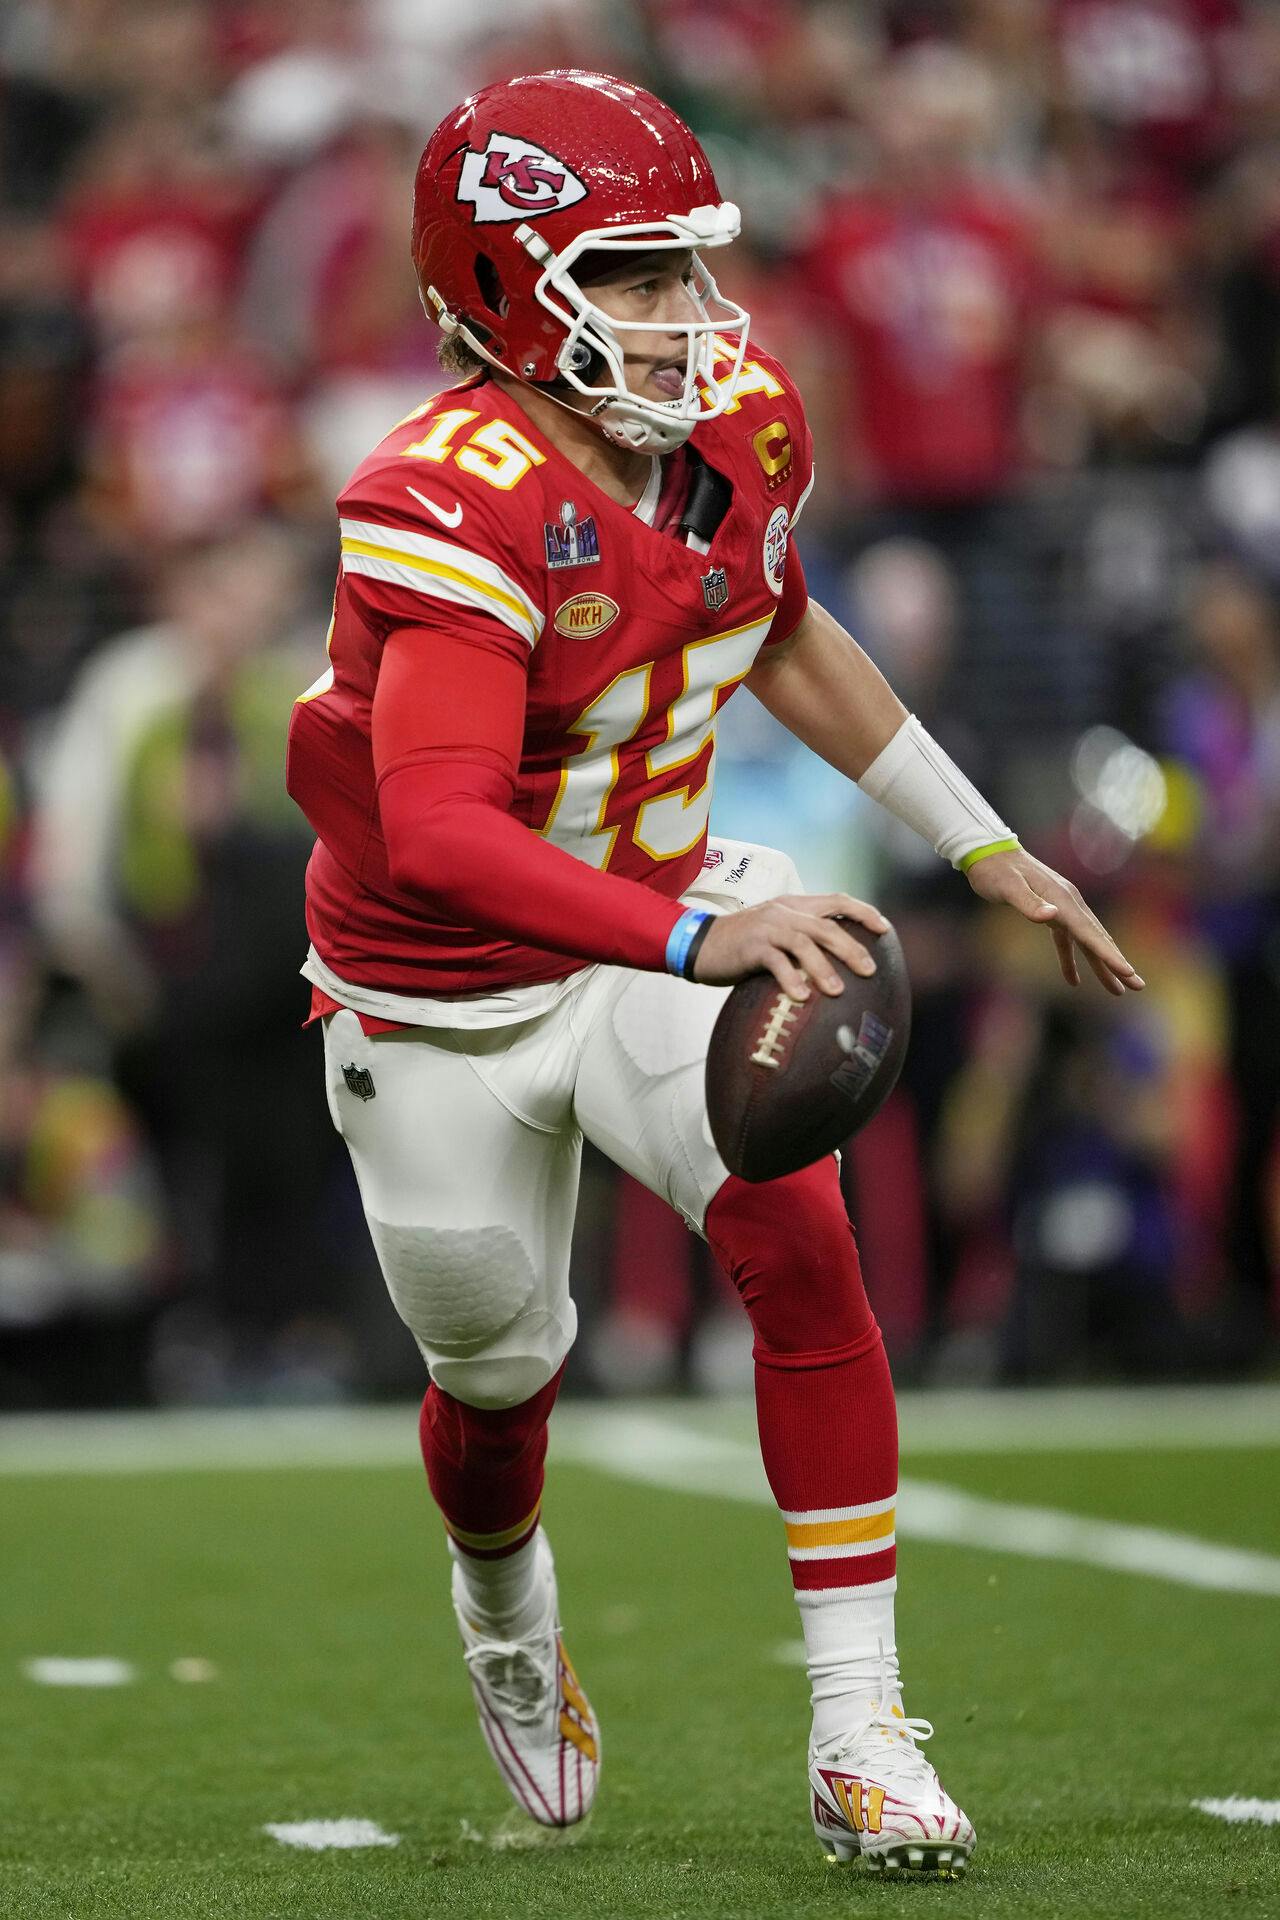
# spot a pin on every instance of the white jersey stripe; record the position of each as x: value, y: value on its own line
x: 406, y: 546
x: 428, y: 577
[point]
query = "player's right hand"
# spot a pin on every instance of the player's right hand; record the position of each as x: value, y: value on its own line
x: 789, y: 938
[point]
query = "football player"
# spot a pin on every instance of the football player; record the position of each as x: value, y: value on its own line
x: 553, y: 576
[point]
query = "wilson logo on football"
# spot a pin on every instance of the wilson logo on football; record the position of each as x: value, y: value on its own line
x: 585, y: 614
x: 513, y: 180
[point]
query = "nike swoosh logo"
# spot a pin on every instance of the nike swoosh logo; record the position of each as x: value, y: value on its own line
x: 446, y: 519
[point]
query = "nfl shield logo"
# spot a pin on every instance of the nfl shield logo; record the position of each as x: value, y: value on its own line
x: 359, y: 1081
x: 715, y: 589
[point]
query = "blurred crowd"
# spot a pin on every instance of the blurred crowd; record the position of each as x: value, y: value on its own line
x: 1023, y: 257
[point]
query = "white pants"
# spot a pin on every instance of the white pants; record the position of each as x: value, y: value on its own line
x: 468, y: 1147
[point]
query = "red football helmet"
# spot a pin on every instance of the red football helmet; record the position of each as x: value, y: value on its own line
x: 524, y: 179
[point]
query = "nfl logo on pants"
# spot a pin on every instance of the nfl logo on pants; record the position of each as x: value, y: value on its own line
x: 715, y: 589
x: 359, y: 1081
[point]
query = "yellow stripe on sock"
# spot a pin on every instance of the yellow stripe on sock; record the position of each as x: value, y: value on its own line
x: 492, y: 1542
x: 839, y: 1533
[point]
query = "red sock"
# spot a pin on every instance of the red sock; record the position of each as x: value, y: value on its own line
x: 484, y: 1467
x: 824, y: 1396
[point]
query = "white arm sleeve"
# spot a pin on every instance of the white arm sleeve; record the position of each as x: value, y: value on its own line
x: 922, y: 785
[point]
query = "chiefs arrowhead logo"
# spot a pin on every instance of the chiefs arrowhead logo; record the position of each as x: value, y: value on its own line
x: 512, y: 180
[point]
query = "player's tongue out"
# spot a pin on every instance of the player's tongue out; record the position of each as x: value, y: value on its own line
x: 669, y: 380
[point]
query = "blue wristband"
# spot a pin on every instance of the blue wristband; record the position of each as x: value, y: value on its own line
x: 681, y: 938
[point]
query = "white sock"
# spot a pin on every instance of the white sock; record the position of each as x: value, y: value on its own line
x: 507, y: 1598
x: 851, y: 1654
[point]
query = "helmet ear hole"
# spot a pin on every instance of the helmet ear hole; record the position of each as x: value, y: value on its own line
x: 489, y: 281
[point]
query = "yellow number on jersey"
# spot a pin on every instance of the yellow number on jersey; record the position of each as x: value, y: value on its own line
x: 497, y: 452
x: 669, y: 823
x: 753, y: 379
x: 500, y: 454
x: 438, y: 443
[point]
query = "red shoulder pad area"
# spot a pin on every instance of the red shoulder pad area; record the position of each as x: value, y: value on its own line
x: 443, y: 519
x: 763, y: 437
x: 777, y: 429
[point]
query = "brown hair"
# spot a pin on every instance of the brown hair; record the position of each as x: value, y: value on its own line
x: 456, y: 357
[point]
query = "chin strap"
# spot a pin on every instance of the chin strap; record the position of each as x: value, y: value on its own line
x: 638, y: 431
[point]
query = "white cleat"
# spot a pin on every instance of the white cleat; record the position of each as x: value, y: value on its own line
x: 536, y: 1720
x: 876, y: 1796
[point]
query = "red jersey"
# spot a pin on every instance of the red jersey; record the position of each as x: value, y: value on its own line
x: 467, y: 520
x: 1171, y: 74
x: 933, y: 305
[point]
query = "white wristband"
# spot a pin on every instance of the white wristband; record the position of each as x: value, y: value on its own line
x: 922, y: 785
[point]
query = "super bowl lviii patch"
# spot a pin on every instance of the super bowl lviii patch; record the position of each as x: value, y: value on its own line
x: 574, y: 542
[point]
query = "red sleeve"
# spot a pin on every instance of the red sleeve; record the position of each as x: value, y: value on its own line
x: 794, y: 602
x: 448, y: 719
x: 798, y: 481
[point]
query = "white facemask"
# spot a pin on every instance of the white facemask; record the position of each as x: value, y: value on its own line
x: 630, y: 419
x: 715, y: 338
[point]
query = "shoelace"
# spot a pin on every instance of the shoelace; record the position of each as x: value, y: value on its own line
x: 512, y: 1674
x: 899, y: 1762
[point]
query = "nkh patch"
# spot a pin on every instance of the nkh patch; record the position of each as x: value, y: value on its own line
x: 585, y: 614
x: 574, y: 543
x: 359, y: 1081
x: 715, y: 589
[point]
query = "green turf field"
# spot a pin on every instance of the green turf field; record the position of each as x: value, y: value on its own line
x: 1080, y: 1708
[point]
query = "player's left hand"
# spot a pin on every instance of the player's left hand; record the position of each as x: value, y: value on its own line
x: 1038, y: 893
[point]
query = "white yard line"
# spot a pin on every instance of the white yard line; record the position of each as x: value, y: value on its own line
x: 1050, y: 1419
x: 671, y: 1444
x: 644, y: 1448
x: 318, y: 1836
x: 56, y: 1670
x: 1068, y: 1420
x: 255, y: 1440
x: 1263, y: 1813
x: 676, y: 1444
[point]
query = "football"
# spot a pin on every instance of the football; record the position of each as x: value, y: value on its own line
x: 789, y: 1080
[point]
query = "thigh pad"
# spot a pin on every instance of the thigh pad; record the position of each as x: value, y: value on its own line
x: 456, y: 1288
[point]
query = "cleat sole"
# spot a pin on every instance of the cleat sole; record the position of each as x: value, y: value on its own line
x: 943, y: 1858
